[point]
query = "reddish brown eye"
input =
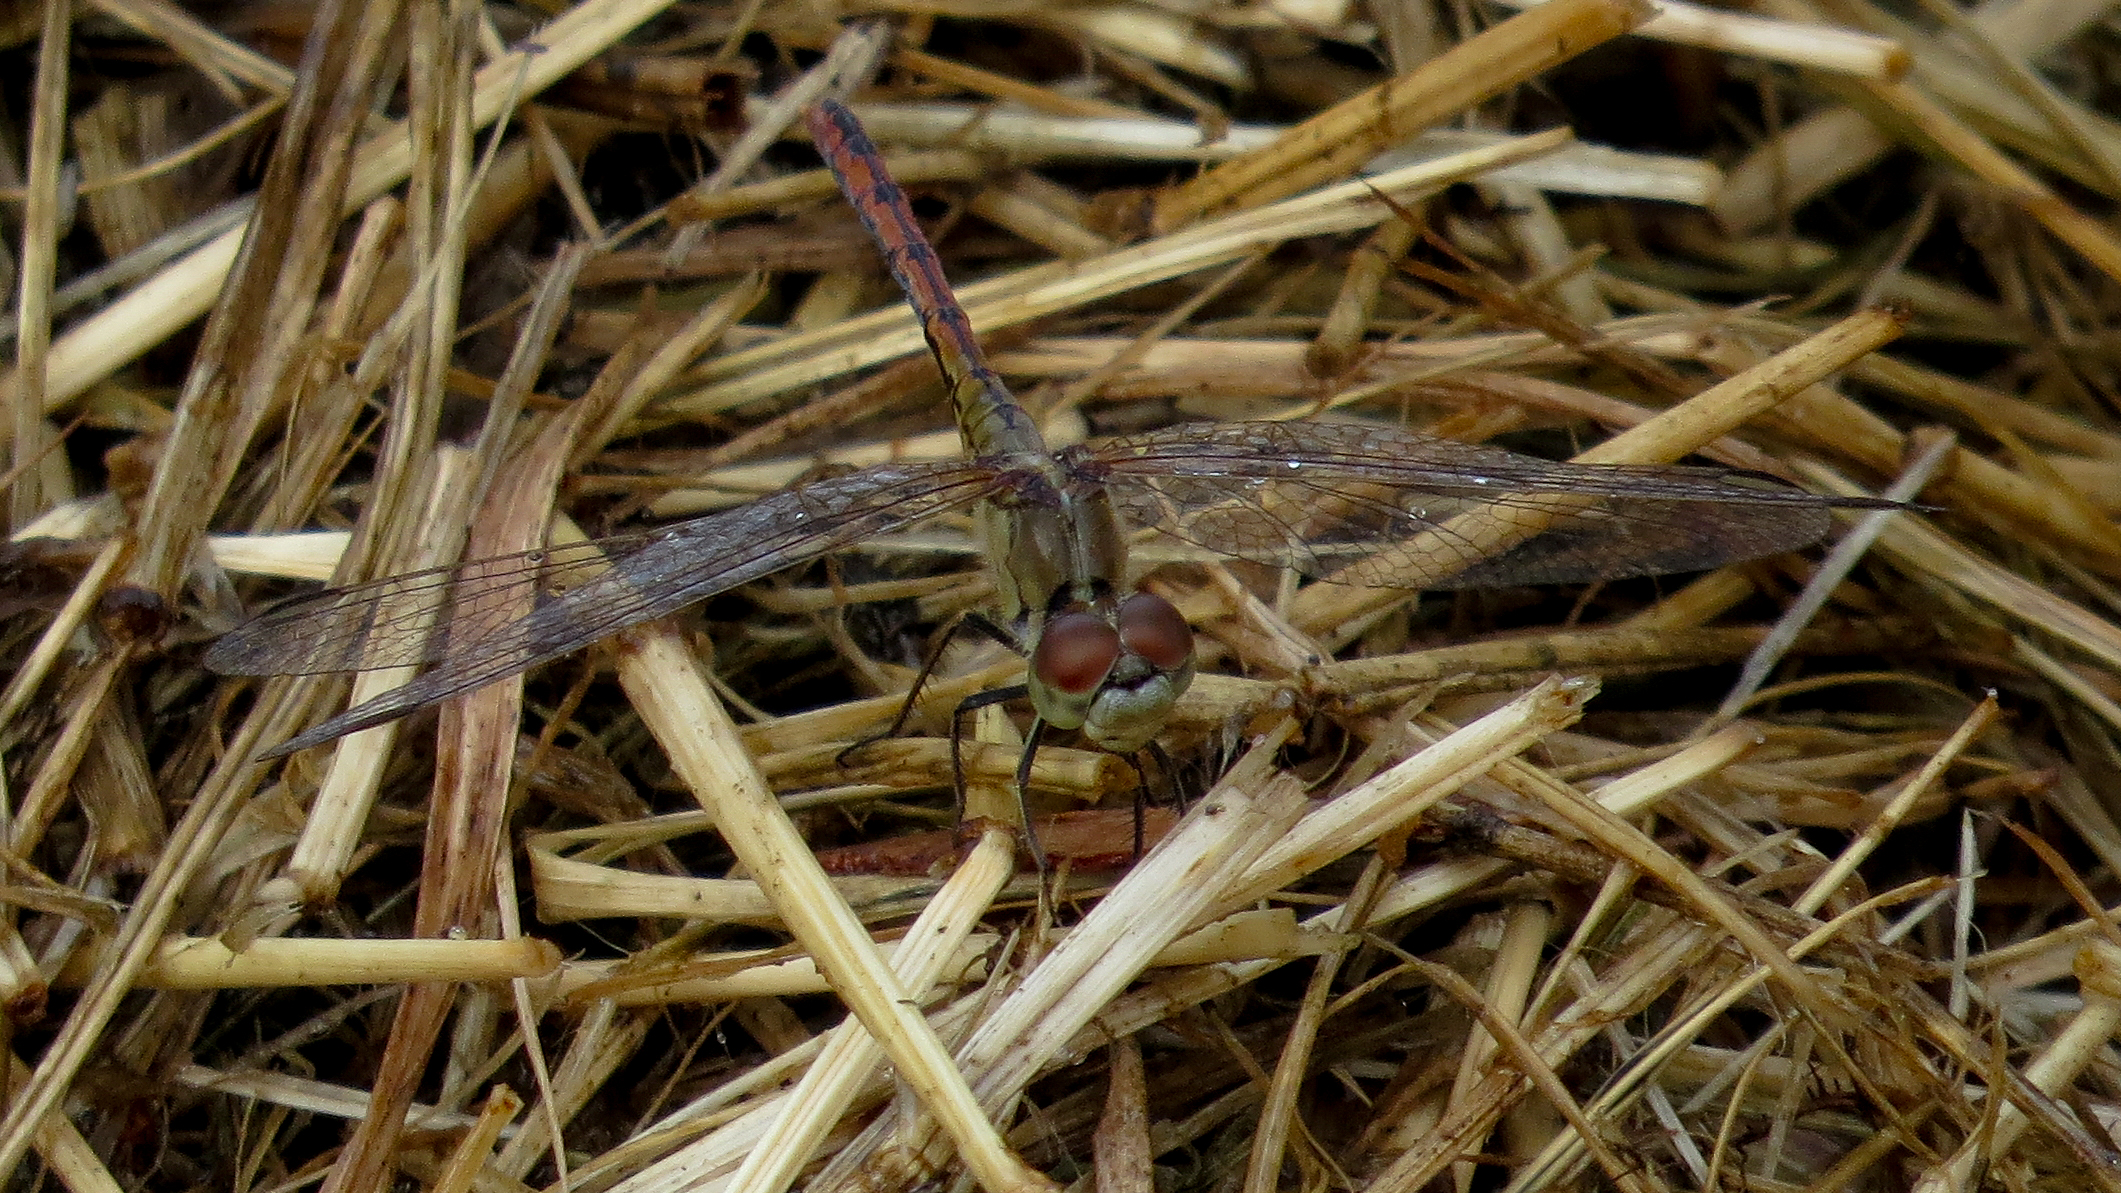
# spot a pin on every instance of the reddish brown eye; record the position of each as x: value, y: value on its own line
x: 1152, y: 628
x: 1074, y: 652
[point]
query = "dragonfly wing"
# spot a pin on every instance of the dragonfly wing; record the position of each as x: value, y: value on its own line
x: 1375, y: 505
x: 392, y: 622
x: 503, y: 615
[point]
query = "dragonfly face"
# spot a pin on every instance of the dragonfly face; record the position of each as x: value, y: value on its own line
x: 1142, y: 656
x: 1113, y: 673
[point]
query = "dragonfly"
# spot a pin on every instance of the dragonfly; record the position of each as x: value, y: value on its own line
x: 1339, y: 501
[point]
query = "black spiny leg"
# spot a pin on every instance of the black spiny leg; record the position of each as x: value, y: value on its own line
x: 1141, y: 800
x: 975, y: 620
x: 972, y: 704
x: 1023, y: 796
x: 1170, y: 769
x: 1156, y: 752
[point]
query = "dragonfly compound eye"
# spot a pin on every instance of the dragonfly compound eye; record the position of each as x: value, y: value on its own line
x: 1075, y: 652
x: 1151, y: 627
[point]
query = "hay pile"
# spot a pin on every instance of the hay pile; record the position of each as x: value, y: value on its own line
x: 1792, y: 875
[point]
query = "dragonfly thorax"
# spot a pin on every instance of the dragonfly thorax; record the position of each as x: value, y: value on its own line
x: 1116, y: 673
x: 1053, y: 542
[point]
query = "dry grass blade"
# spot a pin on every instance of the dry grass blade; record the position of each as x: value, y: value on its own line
x: 307, y: 295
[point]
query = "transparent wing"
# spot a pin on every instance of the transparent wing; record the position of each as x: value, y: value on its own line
x: 1379, y: 506
x: 488, y: 619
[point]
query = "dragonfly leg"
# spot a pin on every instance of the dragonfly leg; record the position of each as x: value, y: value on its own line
x: 1141, y: 802
x: 1164, y: 763
x: 972, y: 704
x: 1169, y: 769
x: 993, y: 629
x: 966, y: 707
x: 1023, y: 798
x: 972, y: 619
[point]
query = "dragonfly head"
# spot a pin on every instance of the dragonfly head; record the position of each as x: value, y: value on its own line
x: 1113, y: 676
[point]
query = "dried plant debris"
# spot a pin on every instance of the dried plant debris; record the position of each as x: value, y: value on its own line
x: 1570, y: 820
